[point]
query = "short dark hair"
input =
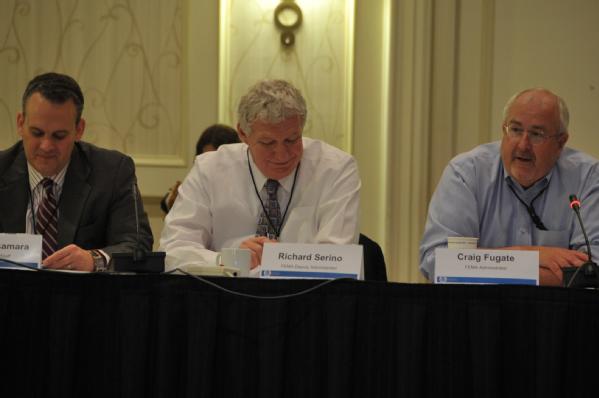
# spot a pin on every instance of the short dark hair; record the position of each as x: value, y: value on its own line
x: 216, y: 135
x: 56, y: 88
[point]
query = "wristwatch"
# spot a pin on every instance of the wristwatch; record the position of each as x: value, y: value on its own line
x: 99, y: 261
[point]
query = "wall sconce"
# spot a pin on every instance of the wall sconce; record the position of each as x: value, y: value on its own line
x: 288, y: 17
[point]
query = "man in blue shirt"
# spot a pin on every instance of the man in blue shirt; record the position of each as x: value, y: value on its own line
x: 514, y: 194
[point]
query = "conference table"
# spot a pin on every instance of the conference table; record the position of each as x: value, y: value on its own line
x: 108, y: 335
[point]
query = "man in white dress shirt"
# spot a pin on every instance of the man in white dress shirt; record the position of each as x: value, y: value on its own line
x: 274, y: 186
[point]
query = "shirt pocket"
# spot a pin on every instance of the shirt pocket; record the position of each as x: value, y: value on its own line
x: 300, y: 225
x: 560, y: 238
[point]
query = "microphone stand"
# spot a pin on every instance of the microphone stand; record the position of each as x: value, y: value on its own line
x: 138, y: 260
x: 589, y: 268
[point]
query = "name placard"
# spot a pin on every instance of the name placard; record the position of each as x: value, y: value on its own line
x: 482, y: 266
x: 311, y: 261
x: 22, y: 248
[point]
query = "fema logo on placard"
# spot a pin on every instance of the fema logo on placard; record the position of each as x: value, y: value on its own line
x: 441, y: 279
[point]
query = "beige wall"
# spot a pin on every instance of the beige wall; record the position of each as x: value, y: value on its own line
x: 200, y: 102
x: 487, y: 50
x: 475, y: 54
x: 551, y: 43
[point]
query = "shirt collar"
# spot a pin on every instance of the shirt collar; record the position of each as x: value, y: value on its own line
x: 532, y: 190
x: 286, y: 183
x: 35, y: 177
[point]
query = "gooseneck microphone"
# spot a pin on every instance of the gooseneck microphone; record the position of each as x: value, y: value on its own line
x: 589, y: 268
x: 139, y: 260
x: 138, y: 253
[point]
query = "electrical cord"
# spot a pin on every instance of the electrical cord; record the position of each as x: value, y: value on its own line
x: 213, y: 284
x: 253, y: 296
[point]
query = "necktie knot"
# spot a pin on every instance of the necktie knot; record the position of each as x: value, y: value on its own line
x: 48, y: 185
x: 271, y: 188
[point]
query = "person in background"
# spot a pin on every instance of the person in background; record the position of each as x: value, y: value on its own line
x: 77, y: 196
x: 514, y: 194
x: 211, y: 138
x: 275, y: 186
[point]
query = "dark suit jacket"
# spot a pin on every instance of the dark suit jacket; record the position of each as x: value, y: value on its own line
x: 96, y: 208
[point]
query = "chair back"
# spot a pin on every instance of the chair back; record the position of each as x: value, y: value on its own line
x: 374, y: 260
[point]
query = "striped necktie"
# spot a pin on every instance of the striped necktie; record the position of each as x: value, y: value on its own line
x: 47, y: 222
x: 273, y: 211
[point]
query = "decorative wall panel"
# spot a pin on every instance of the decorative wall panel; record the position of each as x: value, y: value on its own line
x: 126, y: 55
x: 319, y: 64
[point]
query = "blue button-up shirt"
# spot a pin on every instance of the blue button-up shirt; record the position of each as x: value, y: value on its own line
x: 473, y: 199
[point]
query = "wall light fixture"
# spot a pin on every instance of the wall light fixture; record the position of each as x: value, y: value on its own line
x: 288, y: 18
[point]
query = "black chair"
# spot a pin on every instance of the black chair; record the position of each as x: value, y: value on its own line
x: 374, y: 260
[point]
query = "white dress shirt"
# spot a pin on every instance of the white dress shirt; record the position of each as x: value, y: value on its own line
x: 217, y: 205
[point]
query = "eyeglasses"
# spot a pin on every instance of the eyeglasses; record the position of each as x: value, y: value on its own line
x: 535, y: 136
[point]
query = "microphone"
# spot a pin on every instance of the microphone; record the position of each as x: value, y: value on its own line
x: 139, y: 260
x: 138, y: 252
x: 589, y: 268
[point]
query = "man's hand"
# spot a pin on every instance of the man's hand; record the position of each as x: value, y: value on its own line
x: 256, y: 244
x: 71, y: 257
x: 552, y: 260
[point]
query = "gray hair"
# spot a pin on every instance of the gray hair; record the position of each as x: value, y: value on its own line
x: 271, y: 101
x: 564, y: 114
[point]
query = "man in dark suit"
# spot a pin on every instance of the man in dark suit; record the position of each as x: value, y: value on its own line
x: 78, y: 196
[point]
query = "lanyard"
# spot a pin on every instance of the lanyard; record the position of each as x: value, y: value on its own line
x: 531, y: 210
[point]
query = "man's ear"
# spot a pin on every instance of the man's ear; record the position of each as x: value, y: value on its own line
x: 79, y: 129
x: 563, y: 139
x: 20, y: 123
x: 242, y: 136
